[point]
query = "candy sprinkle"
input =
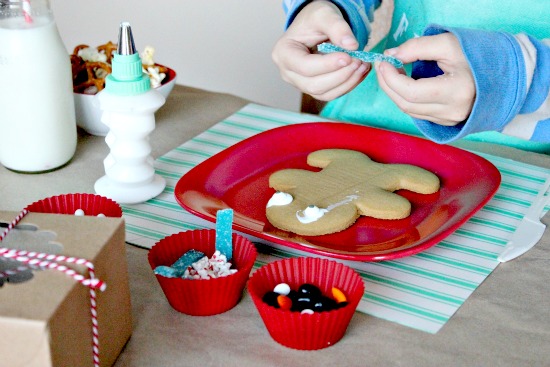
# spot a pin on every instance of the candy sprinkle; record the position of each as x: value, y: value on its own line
x: 224, y: 233
x: 361, y: 55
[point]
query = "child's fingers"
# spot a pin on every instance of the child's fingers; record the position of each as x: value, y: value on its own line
x: 435, y: 48
x: 419, y: 91
x: 291, y: 56
x: 409, y: 98
x: 331, y: 85
x: 332, y: 24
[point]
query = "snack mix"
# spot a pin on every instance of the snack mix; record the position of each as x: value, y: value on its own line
x: 91, y: 65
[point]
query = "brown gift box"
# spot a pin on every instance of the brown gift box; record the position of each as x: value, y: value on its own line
x: 46, y: 321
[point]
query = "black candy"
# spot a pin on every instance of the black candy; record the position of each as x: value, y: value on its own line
x: 341, y: 304
x: 310, y: 290
x: 301, y: 303
x: 324, y: 304
x: 293, y: 295
x: 271, y: 299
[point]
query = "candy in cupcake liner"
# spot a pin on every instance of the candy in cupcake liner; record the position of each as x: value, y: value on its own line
x: 308, y: 330
x: 202, y: 297
x: 205, y: 267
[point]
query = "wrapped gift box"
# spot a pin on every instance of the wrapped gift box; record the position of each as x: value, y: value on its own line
x: 46, y: 320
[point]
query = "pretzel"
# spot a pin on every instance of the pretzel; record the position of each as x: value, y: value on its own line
x: 78, y: 48
x: 108, y: 49
x: 89, y: 74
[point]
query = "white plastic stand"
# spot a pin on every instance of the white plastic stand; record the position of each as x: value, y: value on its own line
x: 129, y: 173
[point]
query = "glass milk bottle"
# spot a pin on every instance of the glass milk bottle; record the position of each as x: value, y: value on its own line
x: 37, y: 116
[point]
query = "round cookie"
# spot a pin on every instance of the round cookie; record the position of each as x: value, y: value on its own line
x: 349, y: 185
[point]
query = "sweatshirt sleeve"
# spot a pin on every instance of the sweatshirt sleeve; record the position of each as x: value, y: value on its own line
x: 512, y: 78
x: 358, y: 13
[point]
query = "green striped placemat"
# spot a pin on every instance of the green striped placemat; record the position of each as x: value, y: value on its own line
x: 421, y: 291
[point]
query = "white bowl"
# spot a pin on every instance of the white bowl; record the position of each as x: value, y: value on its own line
x: 88, y: 113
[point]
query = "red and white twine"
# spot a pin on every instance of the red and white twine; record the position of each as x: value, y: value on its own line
x: 49, y: 261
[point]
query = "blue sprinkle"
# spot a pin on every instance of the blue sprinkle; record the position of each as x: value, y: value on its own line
x: 166, y: 271
x: 224, y: 233
x: 361, y: 55
x: 187, y: 260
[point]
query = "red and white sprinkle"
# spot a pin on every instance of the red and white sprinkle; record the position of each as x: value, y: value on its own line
x: 209, y: 268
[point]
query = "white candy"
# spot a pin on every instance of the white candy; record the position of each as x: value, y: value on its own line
x: 282, y: 288
x: 79, y: 212
x: 101, y: 215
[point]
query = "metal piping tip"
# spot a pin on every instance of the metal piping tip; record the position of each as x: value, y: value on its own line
x: 126, y: 44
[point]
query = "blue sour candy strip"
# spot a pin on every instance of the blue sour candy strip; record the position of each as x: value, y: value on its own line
x: 187, y: 260
x: 224, y: 232
x: 177, y: 270
x: 166, y: 271
x: 361, y: 55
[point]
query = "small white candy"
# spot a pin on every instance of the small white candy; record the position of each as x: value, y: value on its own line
x: 101, y: 215
x: 282, y: 288
x: 307, y: 311
x: 79, y: 212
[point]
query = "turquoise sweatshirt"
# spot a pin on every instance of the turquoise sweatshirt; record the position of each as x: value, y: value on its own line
x: 507, y: 44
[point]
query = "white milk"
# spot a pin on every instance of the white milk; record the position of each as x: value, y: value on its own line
x: 37, y: 117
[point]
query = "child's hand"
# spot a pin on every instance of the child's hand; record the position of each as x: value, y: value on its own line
x: 324, y: 77
x: 446, y: 99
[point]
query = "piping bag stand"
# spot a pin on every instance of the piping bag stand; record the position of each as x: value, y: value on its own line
x: 128, y: 105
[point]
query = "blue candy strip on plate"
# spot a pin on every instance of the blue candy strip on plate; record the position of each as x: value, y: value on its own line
x: 361, y: 55
x: 224, y: 232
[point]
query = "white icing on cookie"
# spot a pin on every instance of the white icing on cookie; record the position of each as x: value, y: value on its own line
x: 280, y: 198
x: 310, y: 214
x: 348, y: 199
x: 313, y: 213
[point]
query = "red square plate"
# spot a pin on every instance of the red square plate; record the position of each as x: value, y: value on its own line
x: 237, y: 178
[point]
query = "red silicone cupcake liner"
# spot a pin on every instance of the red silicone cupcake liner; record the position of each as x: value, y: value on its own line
x: 91, y: 204
x: 304, y: 331
x: 202, y: 297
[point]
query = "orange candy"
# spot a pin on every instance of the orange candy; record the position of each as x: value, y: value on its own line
x: 284, y: 302
x: 338, y: 295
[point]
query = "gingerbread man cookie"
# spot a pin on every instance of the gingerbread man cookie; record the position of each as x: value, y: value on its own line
x: 349, y: 185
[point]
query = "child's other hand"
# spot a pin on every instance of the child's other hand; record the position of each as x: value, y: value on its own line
x: 446, y: 99
x: 324, y: 77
